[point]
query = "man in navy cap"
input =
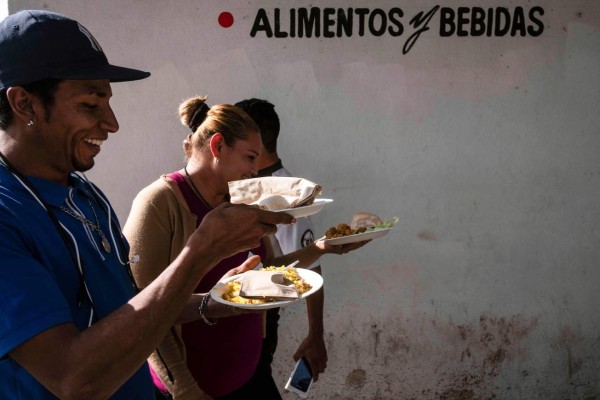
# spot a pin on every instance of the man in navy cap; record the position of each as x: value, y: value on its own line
x: 72, y: 324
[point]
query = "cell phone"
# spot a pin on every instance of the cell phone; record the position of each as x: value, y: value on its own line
x: 301, y: 379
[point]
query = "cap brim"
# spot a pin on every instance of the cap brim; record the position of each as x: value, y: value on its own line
x: 111, y: 72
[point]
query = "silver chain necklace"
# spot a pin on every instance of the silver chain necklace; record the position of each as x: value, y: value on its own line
x: 96, y: 226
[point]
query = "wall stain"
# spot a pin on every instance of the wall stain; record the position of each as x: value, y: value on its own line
x: 457, y: 395
x: 376, y: 338
x: 357, y: 378
x: 426, y: 235
x: 565, y: 340
x: 431, y: 359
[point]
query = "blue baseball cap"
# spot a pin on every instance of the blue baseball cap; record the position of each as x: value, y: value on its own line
x: 37, y: 45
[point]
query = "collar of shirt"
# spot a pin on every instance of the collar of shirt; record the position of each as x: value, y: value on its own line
x: 56, y: 193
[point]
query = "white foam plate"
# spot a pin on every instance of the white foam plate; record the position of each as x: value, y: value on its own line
x: 305, y: 211
x: 311, y: 277
x: 359, y: 237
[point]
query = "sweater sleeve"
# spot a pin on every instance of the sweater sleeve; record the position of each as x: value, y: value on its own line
x: 157, y: 229
x: 149, y: 232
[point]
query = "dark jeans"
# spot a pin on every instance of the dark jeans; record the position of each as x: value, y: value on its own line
x: 269, y: 344
x: 261, y: 385
x: 160, y: 395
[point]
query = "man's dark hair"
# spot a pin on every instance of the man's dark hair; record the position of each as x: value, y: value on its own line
x: 44, y: 89
x: 263, y: 113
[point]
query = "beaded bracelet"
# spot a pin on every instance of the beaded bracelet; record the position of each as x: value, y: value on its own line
x: 202, y: 308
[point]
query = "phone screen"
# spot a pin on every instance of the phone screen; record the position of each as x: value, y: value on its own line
x: 302, y: 376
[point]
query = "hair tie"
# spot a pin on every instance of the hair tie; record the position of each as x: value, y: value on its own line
x: 198, y: 117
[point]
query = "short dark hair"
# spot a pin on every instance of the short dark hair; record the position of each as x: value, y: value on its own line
x: 44, y: 89
x: 263, y: 113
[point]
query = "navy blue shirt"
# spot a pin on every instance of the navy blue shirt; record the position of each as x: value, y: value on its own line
x: 40, y: 284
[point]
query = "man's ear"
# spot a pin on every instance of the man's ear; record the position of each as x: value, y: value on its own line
x: 22, y: 103
x: 216, y: 144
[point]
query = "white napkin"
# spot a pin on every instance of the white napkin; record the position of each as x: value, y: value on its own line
x: 272, y: 284
x: 274, y: 192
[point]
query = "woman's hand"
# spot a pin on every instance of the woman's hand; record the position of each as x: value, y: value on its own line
x: 250, y: 263
x: 214, y: 309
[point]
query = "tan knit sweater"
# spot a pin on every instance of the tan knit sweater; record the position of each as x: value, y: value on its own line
x: 157, y: 229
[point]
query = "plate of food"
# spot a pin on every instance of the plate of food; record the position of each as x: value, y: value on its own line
x: 364, y: 226
x: 227, y: 291
x: 358, y: 237
x: 305, y: 211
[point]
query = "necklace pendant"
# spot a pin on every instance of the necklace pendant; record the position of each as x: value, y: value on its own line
x: 106, y: 245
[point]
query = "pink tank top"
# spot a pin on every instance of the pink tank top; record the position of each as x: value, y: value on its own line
x: 224, y: 356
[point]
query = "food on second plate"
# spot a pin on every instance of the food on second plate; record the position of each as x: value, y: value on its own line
x: 343, y: 230
x: 364, y: 219
x: 361, y: 222
x: 232, y: 291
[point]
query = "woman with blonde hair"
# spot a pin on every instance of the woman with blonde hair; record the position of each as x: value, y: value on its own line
x: 206, y: 353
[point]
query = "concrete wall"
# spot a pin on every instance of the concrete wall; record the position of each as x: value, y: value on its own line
x: 486, y: 148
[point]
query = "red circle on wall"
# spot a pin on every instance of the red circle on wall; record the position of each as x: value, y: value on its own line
x: 225, y: 19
